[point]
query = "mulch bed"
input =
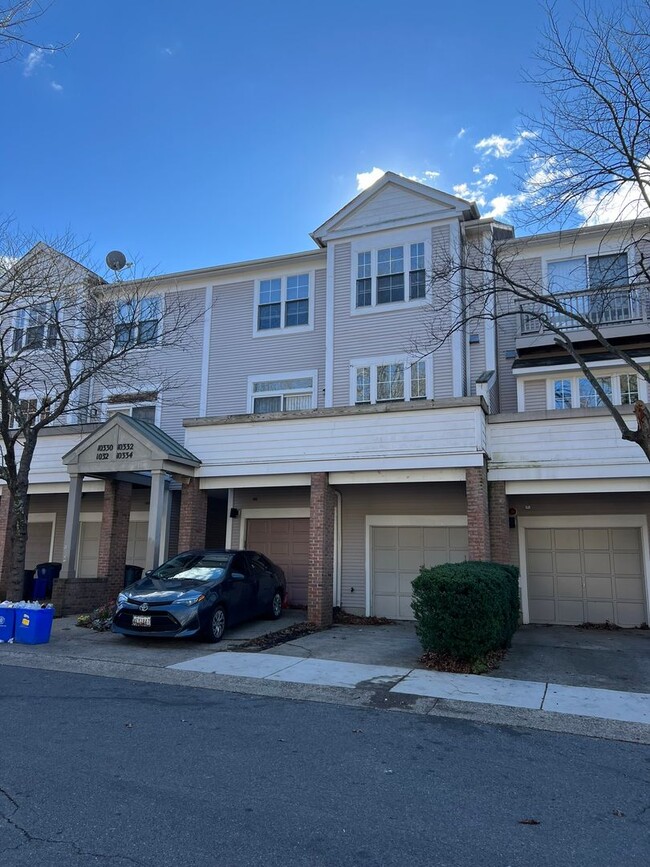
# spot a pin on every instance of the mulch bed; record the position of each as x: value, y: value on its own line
x: 343, y: 618
x: 443, y: 662
x: 273, y: 639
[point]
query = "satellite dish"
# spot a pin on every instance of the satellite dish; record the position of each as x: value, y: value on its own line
x: 116, y: 260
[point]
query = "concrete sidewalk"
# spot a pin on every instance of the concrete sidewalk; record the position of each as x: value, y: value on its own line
x: 633, y: 707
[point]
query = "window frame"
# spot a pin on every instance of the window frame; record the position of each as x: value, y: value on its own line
x: 139, y: 344
x: 20, y: 325
x: 585, y: 257
x: 357, y: 364
x: 271, y: 377
x: 574, y: 377
x: 372, y: 247
x: 283, y: 328
x: 109, y: 409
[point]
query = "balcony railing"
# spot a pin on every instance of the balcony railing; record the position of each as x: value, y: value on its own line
x: 599, y: 307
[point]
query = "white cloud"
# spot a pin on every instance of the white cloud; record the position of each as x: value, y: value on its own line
x: 431, y: 176
x: 475, y: 191
x: 33, y: 60
x: 56, y: 86
x: 367, y: 179
x: 461, y: 132
x: 499, y: 146
x: 625, y: 203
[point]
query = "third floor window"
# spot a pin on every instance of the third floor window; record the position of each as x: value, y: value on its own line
x: 283, y: 302
x: 399, y: 275
x: 588, y: 272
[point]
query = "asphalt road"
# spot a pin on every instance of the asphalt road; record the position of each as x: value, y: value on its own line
x: 105, y: 771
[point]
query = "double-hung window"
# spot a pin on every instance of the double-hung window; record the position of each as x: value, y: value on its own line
x: 577, y: 391
x: 137, y: 321
x: 390, y: 275
x: 283, y: 302
x: 284, y: 394
x: 35, y: 327
x: 390, y: 380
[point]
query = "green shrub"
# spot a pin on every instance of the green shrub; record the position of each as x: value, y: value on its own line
x: 466, y: 609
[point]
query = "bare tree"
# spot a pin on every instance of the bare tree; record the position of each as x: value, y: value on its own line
x: 589, y: 163
x: 16, y: 28
x: 67, y: 338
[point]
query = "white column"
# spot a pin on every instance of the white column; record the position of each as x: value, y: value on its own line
x: 156, y: 504
x: 71, y: 533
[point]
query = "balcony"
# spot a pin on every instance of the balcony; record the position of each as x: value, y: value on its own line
x: 624, y: 305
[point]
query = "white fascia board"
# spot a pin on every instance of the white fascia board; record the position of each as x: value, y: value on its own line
x: 550, y: 471
x: 286, y: 480
x: 563, y: 368
x: 369, y: 477
x: 577, y: 486
x: 90, y: 486
x: 400, y: 223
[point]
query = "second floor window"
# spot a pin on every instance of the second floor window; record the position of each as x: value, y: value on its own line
x: 35, y: 328
x: 568, y: 276
x: 381, y: 382
x: 137, y: 322
x: 282, y: 395
x: 399, y: 275
x: 283, y: 302
x: 622, y: 389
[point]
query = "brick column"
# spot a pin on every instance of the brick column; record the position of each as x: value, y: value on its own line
x: 114, y: 536
x: 193, y: 517
x: 320, y: 588
x: 499, y: 524
x: 478, y: 516
x: 6, y: 542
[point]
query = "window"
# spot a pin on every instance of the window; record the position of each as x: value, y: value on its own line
x: 417, y: 275
x: 35, y: 328
x: 144, y: 412
x: 629, y: 388
x: 562, y: 393
x: 283, y: 302
x: 137, y: 322
x: 27, y: 408
x: 141, y: 405
x: 590, y: 272
x: 393, y: 379
x: 283, y: 395
x: 391, y: 275
x: 588, y: 394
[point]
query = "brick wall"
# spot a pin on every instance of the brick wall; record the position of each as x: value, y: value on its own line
x: 478, y: 516
x: 193, y: 516
x: 499, y: 524
x: 116, y: 512
x: 320, y: 587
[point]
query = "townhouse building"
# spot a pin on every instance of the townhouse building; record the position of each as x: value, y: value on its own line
x: 305, y: 424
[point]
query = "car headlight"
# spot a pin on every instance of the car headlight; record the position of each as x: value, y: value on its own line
x: 122, y: 598
x: 194, y: 601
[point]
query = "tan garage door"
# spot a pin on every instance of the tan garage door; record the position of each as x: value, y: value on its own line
x: 587, y: 575
x: 39, y: 541
x: 397, y: 553
x: 286, y: 542
x: 89, y: 534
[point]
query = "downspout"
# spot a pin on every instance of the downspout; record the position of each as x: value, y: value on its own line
x: 338, y: 535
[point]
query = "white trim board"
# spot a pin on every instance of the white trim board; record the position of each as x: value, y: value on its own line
x: 563, y: 522
x: 403, y: 521
x: 576, y: 486
x: 246, y: 515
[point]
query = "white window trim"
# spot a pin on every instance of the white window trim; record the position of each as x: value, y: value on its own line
x: 377, y: 361
x: 575, y: 376
x: 401, y: 521
x: 16, y: 324
x: 152, y: 344
x: 294, y: 374
x: 401, y: 239
x: 284, y: 329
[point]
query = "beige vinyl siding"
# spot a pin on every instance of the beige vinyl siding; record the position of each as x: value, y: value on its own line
x: 235, y: 354
x: 524, y: 270
x: 382, y: 331
x: 535, y: 395
x: 389, y: 203
x: 358, y: 501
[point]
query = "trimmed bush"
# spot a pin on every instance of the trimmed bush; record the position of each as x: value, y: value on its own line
x: 466, y: 609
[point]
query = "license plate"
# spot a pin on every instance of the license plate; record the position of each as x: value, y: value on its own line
x: 141, y: 620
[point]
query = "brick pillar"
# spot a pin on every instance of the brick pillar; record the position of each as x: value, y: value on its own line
x: 114, y: 535
x: 499, y: 523
x: 478, y: 515
x: 193, y: 517
x: 320, y: 588
x: 6, y: 541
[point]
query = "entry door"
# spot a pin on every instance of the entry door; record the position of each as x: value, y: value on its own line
x: 136, y: 547
x: 89, y: 534
x: 397, y: 553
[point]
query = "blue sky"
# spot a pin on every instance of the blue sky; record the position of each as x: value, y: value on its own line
x: 200, y: 133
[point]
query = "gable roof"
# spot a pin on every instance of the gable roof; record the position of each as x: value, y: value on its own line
x: 433, y: 201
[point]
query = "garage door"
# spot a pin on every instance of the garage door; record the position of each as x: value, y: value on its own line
x: 587, y: 575
x: 397, y: 553
x: 286, y: 542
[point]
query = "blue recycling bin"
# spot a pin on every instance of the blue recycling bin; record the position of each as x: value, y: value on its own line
x: 7, y: 621
x: 33, y: 625
x: 39, y: 589
x: 47, y: 572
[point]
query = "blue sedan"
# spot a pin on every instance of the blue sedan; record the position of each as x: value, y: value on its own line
x: 201, y: 592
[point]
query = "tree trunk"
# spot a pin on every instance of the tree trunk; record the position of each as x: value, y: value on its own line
x: 17, y: 489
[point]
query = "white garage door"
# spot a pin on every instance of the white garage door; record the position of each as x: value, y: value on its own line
x: 585, y: 575
x: 397, y: 553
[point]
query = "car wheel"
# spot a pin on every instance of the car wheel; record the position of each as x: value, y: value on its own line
x: 275, y: 611
x: 216, y: 625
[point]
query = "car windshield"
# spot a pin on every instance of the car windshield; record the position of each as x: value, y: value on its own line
x: 192, y: 567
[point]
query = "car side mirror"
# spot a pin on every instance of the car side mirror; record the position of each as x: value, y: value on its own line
x: 238, y: 576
